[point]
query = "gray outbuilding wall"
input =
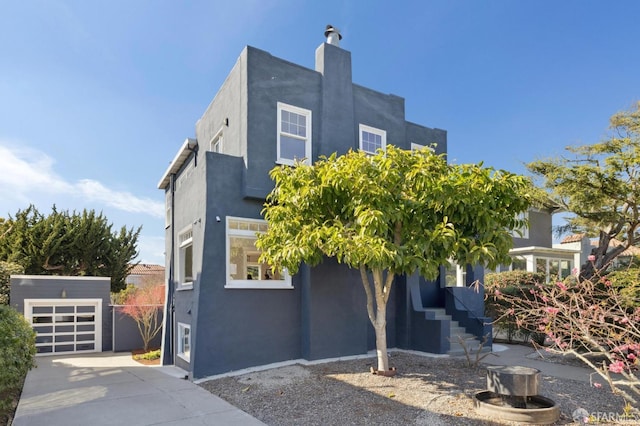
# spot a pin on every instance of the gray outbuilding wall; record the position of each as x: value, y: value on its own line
x: 126, y: 336
x: 63, y: 287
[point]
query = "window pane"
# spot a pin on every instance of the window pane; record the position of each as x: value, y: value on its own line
x: 291, y: 148
x: 565, y: 268
x: 554, y: 267
x: 244, y: 261
x: 371, y: 141
x: 188, y: 263
x: 519, y: 264
x: 541, y: 266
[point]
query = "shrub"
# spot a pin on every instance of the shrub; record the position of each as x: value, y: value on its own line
x: 627, y: 283
x: 6, y: 270
x: 17, y: 352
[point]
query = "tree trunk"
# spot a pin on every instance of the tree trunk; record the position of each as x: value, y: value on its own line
x: 603, y: 257
x: 381, y: 339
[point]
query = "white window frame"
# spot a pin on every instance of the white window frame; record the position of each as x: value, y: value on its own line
x: 306, y: 140
x: 259, y: 284
x: 524, y: 230
x: 417, y: 147
x: 185, y: 240
x: 461, y: 274
x: 167, y: 209
x: 379, y: 132
x: 185, y: 355
x: 216, y: 144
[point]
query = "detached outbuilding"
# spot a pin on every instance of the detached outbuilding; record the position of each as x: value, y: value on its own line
x: 69, y: 314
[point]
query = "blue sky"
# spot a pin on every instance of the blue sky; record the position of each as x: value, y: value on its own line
x: 96, y: 97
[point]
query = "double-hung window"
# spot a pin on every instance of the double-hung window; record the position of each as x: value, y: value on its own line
x: 167, y: 209
x: 215, y: 145
x: 184, y: 341
x: 294, y: 134
x: 185, y: 258
x: 372, y: 139
x: 244, y: 269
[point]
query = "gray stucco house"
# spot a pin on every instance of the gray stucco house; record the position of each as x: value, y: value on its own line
x: 225, y: 311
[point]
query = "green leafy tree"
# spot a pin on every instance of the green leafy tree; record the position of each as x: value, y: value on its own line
x: 600, y: 185
x: 64, y: 243
x: 389, y: 214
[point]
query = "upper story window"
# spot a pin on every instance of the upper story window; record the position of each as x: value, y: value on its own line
x: 523, y: 231
x: 294, y: 134
x: 418, y: 147
x: 215, y: 145
x: 185, y: 175
x: 167, y: 209
x: 185, y: 258
x: 372, y: 139
x: 243, y: 267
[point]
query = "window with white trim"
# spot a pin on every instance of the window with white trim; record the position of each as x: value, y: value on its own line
x: 523, y: 231
x: 553, y: 268
x: 244, y: 270
x: 167, y: 209
x: 418, y: 147
x: 372, y: 139
x: 294, y: 134
x: 185, y: 258
x: 184, y: 341
x: 215, y: 145
x: 455, y: 275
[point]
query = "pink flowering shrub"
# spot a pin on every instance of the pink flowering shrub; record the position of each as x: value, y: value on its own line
x: 589, y: 319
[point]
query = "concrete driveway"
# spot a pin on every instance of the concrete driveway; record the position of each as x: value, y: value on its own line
x: 112, y: 389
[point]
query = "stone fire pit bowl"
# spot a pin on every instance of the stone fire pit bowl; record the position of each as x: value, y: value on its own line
x: 512, y: 395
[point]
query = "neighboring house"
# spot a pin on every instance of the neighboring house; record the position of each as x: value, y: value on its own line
x: 225, y: 310
x: 146, y: 272
x: 533, y: 249
x: 586, y: 245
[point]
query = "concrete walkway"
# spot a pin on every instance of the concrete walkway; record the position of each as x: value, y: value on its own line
x: 526, y: 356
x: 112, y: 389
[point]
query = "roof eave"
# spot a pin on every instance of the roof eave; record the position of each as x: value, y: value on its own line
x: 178, y: 161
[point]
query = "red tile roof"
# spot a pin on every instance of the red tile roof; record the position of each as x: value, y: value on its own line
x: 572, y: 238
x: 147, y: 269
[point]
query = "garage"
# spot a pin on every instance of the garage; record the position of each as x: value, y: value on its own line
x: 65, y: 325
x: 69, y: 314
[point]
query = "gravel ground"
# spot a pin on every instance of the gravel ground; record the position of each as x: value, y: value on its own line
x: 426, y: 391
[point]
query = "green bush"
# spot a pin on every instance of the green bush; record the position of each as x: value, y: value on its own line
x: 17, y: 352
x: 627, y: 282
x: 6, y: 270
x: 512, y: 283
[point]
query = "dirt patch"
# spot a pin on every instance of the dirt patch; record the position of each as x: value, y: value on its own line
x: 426, y: 391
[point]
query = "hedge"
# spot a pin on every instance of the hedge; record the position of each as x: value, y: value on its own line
x: 17, y: 353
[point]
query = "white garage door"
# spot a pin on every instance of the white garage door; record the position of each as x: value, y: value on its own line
x: 65, y: 325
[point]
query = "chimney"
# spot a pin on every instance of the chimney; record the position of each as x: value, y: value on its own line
x: 333, y: 35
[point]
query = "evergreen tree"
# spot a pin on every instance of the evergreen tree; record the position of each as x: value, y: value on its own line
x: 64, y: 243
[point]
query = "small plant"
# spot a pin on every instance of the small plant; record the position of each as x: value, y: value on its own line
x: 149, y: 356
x: 17, y: 352
x: 474, y: 356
